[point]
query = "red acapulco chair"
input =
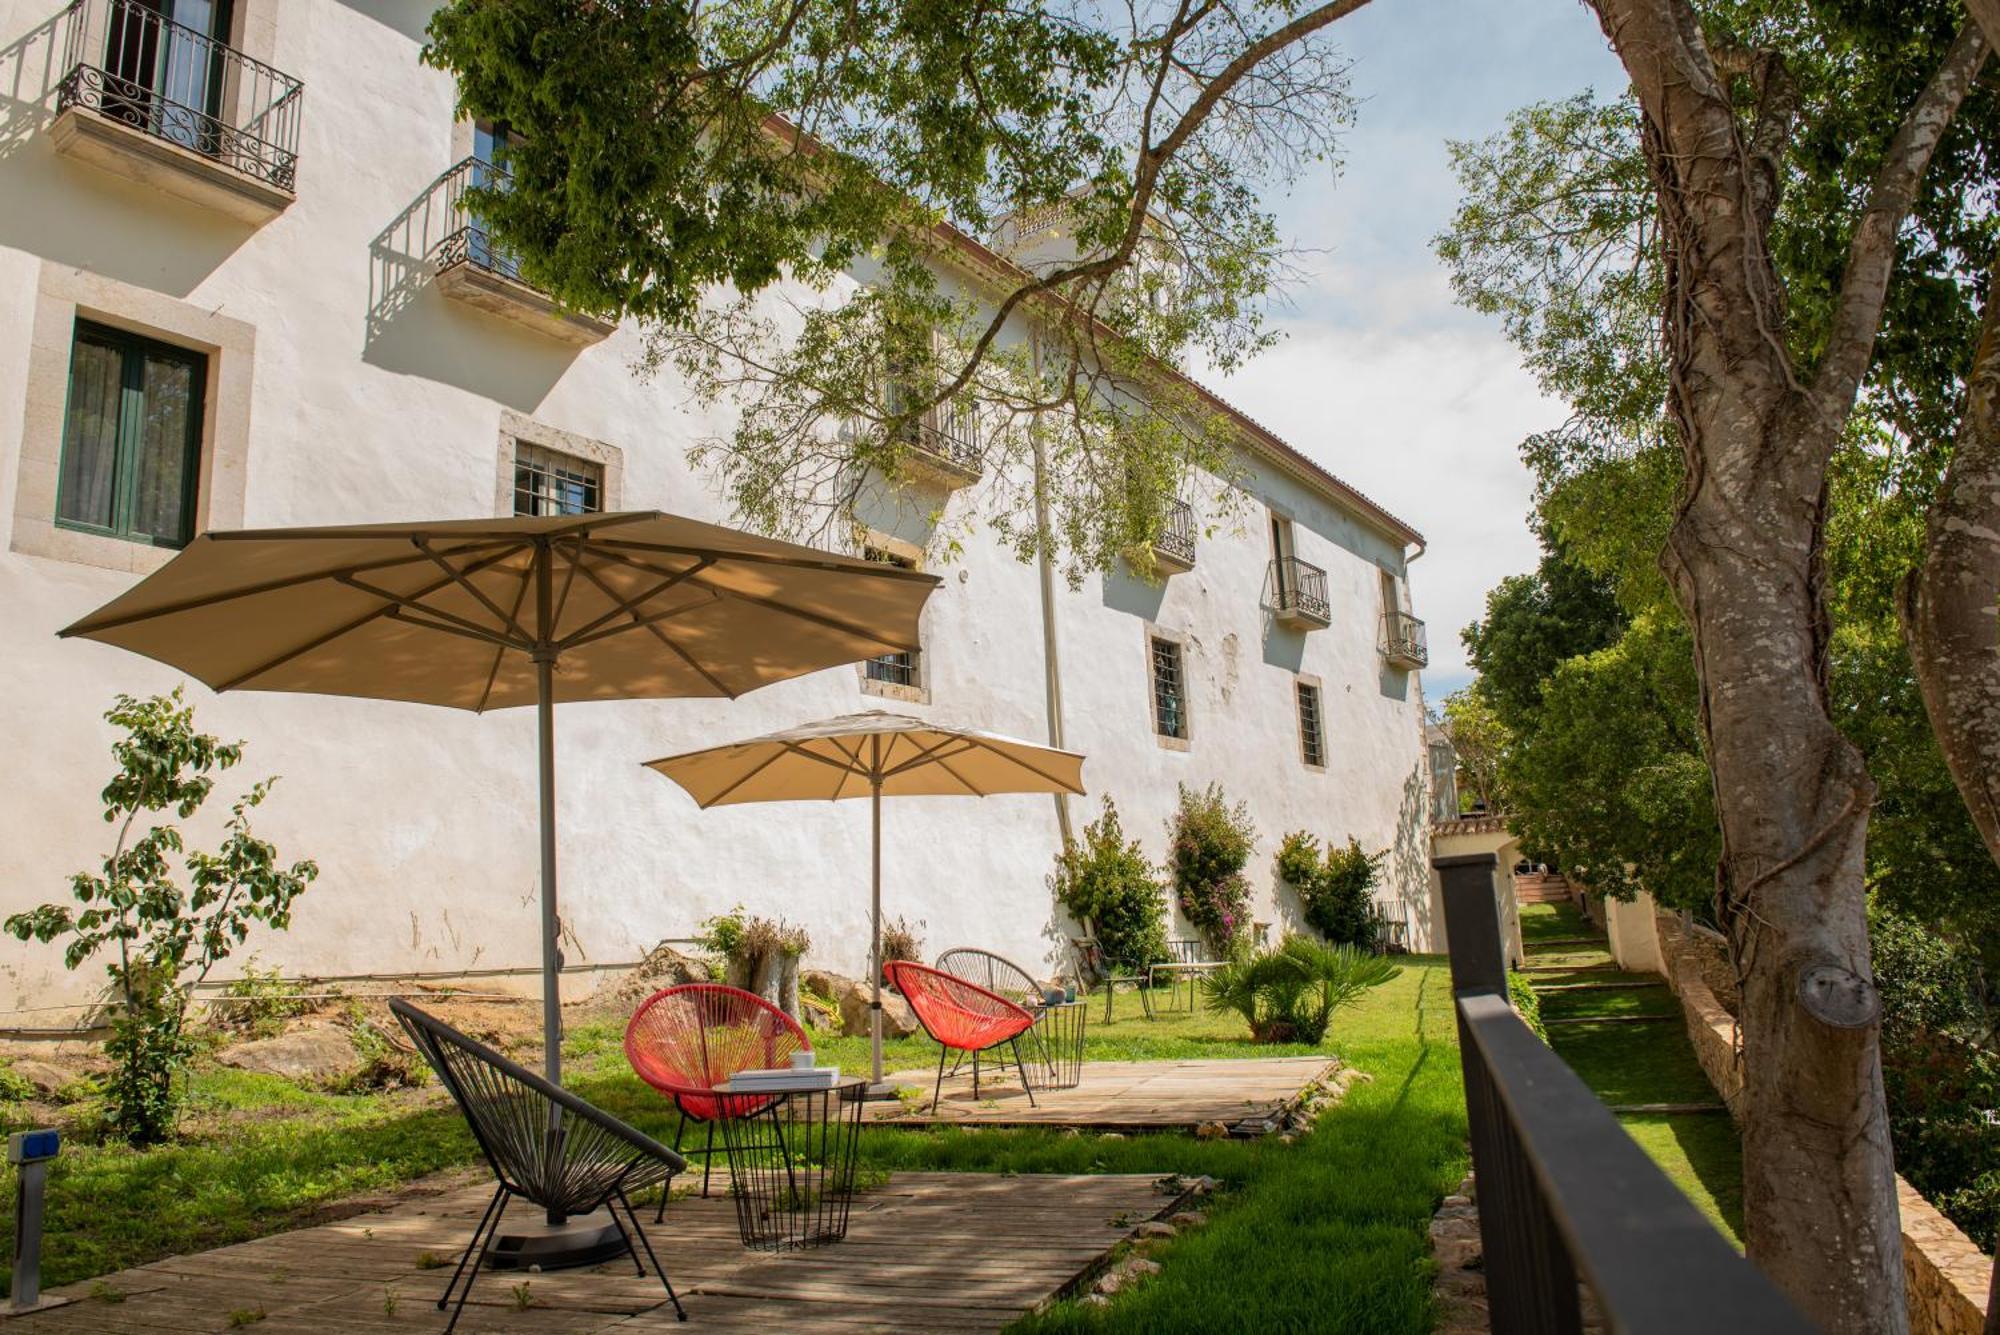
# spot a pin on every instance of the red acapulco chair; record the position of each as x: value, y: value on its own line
x: 962, y: 1016
x: 684, y: 1041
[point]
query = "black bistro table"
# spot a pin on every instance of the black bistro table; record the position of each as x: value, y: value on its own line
x: 1058, y: 1036
x: 792, y: 1161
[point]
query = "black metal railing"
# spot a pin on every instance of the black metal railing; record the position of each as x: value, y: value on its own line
x: 1299, y: 588
x: 465, y: 238
x: 130, y: 63
x: 1565, y: 1196
x: 1176, y: 539
x: 1404, y: 639
x: 950, y: 433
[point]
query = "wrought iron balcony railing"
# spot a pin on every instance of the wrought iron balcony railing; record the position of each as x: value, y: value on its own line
x: 1175, y: 543
x: 129, y: 63
x: 1404, y: 642
x: 948, y: 438
x: 1298, y: 592
x: 466, y: 240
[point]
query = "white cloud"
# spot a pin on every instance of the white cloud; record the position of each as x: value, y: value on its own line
x: 1427, y: 424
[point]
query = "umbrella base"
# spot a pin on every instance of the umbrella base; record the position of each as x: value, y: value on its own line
x: 878, y: 1093
x: 584, y: 1240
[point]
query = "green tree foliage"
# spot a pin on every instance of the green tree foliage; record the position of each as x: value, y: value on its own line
x: 676, y: 163
x: 1291, y: 994
x: 1532, y: 623
x: 1610, y: 780
x: 1481, y: 742
x: 1104, y: 880
x: 1209, y: 844
x: 1333, y: 886
x: 166, y: 929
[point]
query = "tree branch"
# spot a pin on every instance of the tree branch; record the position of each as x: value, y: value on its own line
x: 1871, y: 257
x: 1948, y: 604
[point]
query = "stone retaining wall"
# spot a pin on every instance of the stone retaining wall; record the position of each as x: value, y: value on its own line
x: 1945, y: 1273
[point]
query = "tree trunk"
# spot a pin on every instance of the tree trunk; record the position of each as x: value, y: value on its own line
x: 1745, y: 559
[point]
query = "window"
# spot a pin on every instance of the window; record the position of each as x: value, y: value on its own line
x: 131, y: 452
x: 897, y: 669
x: 166, y: 62
x: 1170, y: 717
x: 1312, y: 734
x: 490, y: 142
x: 548, y: 482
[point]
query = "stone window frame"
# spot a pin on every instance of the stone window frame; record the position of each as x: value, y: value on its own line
x: 919, y: 694
x: 1300, y: 682
x: 518, y: 427
x: 63, y: 295
x: 1180, y: 639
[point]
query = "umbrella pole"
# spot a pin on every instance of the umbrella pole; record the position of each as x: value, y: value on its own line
x: 545, y: 720
x: 875, y: 920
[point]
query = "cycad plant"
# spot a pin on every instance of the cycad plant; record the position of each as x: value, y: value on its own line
x: 1290, y: 995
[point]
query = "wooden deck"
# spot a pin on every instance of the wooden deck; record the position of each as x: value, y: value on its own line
x: 927, y: 1252
x: 1248, y: 1096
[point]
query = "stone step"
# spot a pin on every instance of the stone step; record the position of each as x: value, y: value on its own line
x: 1538, y: 942
x: 1600, y: 987
x: 1609, y: 966
x: 1549, y: 1021
x: 1668, y: 1108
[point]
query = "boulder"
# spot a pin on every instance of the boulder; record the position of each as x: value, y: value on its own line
x: 45, y: 1077
x: 851, y: 996
x: 312, y: 1054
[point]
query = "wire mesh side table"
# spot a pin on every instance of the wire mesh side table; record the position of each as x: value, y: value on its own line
x: 1058, y: 1035
x: 791, y: 1165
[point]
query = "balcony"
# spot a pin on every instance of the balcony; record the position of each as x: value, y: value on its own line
x: 944, y: 446
x: 174, y: 109
x: 471, y: 268
x: 1173, y: 548
x: 1298, y: 594
x: 1403, y: 641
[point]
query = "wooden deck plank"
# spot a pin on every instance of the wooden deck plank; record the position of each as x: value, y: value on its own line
x: 909, y: 1263
x: 1117, y: 1096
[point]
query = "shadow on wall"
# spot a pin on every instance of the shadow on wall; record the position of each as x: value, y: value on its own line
x: 414, y: 329
x: 1410, y: 857
x: 74, y: 214
x: 1133, y: 594
x: 1395, y: 682
x: 410, y: 18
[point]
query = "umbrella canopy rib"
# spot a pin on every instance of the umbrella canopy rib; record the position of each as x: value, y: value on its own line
x: 626, y: 605
x: 462, y: 579
x: 91, y: 625
x: 500, y: 653
x: 773, y: 605
x: 666, y: 641
x: 760, y: 558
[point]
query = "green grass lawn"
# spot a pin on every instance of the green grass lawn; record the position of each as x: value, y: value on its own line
x: 1327, y: 1233
x: 1639, y: 1063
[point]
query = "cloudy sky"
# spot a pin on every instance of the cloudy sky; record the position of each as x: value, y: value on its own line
x: 1380, y: 377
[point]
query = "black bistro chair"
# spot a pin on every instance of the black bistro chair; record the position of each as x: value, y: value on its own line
x: 544, y: 1145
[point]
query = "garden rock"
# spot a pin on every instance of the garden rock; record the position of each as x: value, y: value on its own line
x: 1211, y: 1131
x: 852, y: 995
x: 1125, y: 1274
x: 46, y: 1078
x: 1154, y: 1228
x: 1188, y: 1219
x: 315, y: 1054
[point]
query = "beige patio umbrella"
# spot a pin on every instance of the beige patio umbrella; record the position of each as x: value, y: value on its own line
x: 490, y: 613
x: 871, y: 755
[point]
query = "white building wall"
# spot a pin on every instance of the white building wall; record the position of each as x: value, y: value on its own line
x: 368, y: 395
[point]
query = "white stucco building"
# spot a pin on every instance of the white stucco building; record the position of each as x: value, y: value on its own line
x: 233, y: 293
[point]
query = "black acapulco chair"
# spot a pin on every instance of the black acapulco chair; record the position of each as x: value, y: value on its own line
x: 544, y: 1145
x: 998, y: 974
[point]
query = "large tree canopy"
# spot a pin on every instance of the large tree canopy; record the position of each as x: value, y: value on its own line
x: 678, y: 163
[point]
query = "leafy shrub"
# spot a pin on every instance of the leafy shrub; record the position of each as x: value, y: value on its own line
x: 1106, y: 882
x: 386, y: 1061
x: 258, y: 1003
x: 14, y: 1087
x: 1943, y: 1090
x: 1210, y: 844
x: 1333, y: 887
x: 164, y: 939
x: 1526, y: 1003
x: 1290, y: 994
